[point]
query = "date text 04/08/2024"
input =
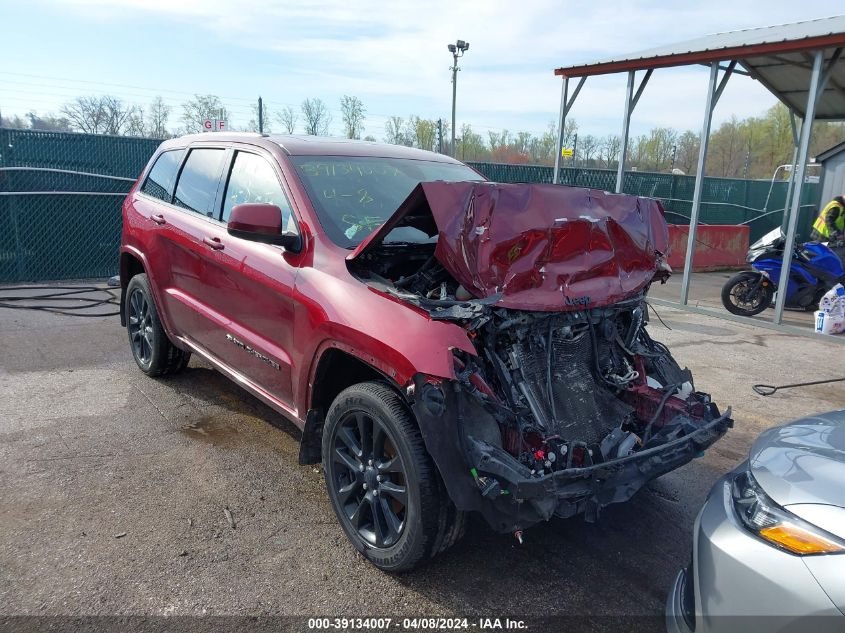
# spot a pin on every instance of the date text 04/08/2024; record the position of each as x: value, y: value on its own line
x: 424, y: 623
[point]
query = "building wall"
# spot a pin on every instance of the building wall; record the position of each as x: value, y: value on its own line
x: 832, y: 179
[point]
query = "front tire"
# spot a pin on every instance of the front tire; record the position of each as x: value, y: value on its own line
x: 383, y: 485
x: 745, y: 294
x: 153, y: 352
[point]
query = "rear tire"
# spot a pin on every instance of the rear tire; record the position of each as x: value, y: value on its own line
x: 381, y: 481
x: 739, y: 296
x: 153, y: 352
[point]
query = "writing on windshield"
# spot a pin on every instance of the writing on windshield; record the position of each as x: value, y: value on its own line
x: 353, y: 195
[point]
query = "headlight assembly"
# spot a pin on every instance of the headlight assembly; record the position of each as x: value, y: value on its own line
x: 777, y: 526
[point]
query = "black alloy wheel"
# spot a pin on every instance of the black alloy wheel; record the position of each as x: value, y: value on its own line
x: 382, y: 483
x: 140, y: 326
x: 152, y: 350
x: 369, y: 479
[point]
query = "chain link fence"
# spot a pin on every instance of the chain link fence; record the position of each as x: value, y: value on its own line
x: 60, y: 200
x: 61, y: 195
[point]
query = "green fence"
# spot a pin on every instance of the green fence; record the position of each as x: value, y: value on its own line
x: 757, y: 203
x: 60, y: 199
x: 63, y: 218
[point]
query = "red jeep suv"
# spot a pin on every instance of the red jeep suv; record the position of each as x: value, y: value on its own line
x: 446, y: 344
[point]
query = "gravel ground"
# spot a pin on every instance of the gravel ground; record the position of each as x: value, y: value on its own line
x: 114, y: 489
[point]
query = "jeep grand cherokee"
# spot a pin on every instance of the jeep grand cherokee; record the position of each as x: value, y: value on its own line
x: 446, y: 344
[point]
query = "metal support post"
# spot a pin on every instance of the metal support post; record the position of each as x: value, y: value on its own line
x: 565, y: 107
x: 631, y: 99
x: 803, y: 150
x: 564, y: 89
x: 713, y: 94
x: 791, y: 184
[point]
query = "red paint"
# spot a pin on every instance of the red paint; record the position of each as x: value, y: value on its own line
x: 260, y: 218
x: 542, y: 247
x: 706, y: 56
x: 718, y: 246
x: 290, y: 307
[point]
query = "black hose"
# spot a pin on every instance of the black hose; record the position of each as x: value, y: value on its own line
x: 767, y: 390
x: 658, y: 316
x: 61, y: 293
x: 671, y: 389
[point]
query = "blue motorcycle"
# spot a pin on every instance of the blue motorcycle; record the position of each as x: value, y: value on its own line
x: 813, y: 270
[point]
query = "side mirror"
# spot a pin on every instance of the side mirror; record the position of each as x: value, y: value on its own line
x: 259, y: 222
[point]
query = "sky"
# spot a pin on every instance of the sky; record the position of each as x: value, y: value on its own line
x: 391, y: 55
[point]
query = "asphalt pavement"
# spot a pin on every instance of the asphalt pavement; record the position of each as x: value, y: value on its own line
x: 114, y: 492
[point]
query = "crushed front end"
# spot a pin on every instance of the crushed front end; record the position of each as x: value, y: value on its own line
x: 567, y: 404
x: 561, y: 414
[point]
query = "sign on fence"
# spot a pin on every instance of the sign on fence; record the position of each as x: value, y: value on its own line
x: 566, y: 151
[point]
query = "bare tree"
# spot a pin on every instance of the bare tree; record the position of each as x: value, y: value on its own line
x: 157, y: 116
x: 394, y: 131
x: 352, y: 110
x: 136, y: 123
x: 200, y: 108
x: 288, y: 118
x: 47, y: 122
x: 15, y: 122
x: 86, y: 114
x: 116, y: 114
x: 587, y: 148
x: 686, y: 158
x: 317, y: 117
x: 609, y: 150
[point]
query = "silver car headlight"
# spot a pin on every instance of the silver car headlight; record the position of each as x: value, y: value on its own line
x: 777, y: 526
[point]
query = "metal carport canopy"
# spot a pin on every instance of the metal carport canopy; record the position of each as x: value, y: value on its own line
x: 798, y: 63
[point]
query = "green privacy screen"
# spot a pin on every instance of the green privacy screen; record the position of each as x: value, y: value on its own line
x: 64, y: 225
x: 60, y: 225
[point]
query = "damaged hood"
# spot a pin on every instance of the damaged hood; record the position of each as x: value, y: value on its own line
x: 540, y: 247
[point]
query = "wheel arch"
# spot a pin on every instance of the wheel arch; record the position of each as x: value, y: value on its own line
x: 335, y: 368
x: 130, y: 265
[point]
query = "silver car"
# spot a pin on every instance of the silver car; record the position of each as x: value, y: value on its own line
x: 769, y: 543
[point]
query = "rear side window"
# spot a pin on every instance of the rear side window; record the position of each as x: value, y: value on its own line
x: 254, y: 180
x: 197, y: 187
x: 160, y: 181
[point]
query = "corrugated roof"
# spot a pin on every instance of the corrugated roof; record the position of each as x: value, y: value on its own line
x: 831, y: 152
x: 780, y: 57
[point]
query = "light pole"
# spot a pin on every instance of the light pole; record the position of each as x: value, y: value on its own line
x: 457, y: 49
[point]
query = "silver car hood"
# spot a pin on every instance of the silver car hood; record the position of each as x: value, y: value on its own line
x: 804, y: 461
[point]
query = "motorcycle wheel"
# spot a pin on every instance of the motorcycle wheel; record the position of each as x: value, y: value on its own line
x: 745, y: 296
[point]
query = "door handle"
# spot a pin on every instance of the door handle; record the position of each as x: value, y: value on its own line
x: 158, y: 218
x: 213, y: 242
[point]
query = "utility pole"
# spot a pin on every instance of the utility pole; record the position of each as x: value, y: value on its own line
x: 575, y: 149
x: 260, y: 116
x: 457, y: 49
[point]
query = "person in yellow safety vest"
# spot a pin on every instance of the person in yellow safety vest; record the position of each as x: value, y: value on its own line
x: 830, y: 225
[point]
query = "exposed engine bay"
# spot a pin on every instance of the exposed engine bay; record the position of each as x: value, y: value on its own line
x: 559, y: 411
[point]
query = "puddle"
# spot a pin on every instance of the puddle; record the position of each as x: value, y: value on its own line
x: 208, y: 429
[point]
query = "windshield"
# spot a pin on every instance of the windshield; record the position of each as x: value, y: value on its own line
x: 768, y: 239
x: 354, y: 195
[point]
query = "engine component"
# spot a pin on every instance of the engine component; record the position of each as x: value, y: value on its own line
x: 573, y: 404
